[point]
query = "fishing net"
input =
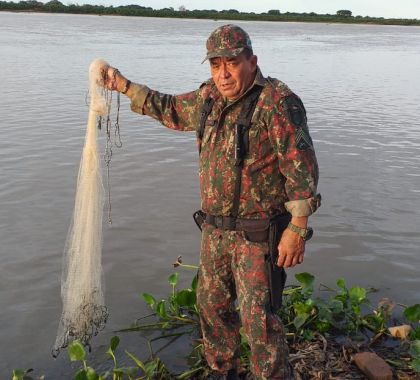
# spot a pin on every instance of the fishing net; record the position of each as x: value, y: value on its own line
x: 84, y: 313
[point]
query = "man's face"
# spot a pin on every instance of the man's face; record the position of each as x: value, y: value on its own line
x: 233, y: 76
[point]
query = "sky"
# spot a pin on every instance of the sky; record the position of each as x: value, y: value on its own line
x: 374, y: 8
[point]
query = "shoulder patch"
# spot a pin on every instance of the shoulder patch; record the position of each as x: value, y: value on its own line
x: 297, y: 115
x: 295, y: 110
x: 303, y: 140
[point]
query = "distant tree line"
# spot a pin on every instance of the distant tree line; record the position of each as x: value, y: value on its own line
x: 344, y: 13
x: 56, y: 6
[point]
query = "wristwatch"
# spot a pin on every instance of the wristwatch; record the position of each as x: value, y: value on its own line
x: 304, y: 233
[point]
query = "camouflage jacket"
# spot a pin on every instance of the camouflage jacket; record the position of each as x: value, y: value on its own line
x: 280, y: 171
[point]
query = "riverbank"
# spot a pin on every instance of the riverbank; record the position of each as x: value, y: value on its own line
x: 326, y: 336
x: 55, y: 6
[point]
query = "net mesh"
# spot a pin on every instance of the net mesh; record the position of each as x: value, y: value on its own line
x: 84, y: 313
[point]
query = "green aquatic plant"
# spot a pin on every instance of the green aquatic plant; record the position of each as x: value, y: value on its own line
x: 178, y: 310
x: 412, y: 314
x: 346, y: 311
x: 304, y: 315
x: 152, y: 369
x: 307, y: 314
x: 19, y: 374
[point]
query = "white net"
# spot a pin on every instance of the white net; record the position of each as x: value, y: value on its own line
x: 84, y: 312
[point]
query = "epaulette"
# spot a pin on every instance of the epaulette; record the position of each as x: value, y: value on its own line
x: 208, y: 82
x: 279, y: 86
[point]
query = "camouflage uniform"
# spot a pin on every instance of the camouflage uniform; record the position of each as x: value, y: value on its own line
x: 279, y: 174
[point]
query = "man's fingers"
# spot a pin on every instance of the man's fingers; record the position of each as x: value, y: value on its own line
x: 290, y: 260
x: 295, y: 260
x: 111, y: 78
x: 280, y: 260
x: 284, y: 260
x: 104, y: 72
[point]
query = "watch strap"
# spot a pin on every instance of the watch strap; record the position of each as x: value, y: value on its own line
x: 304, y: 233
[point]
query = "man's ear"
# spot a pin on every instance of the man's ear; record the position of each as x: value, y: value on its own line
x: 254, y: 61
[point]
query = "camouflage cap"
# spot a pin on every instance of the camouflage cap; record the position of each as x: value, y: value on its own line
x: 227, y: 41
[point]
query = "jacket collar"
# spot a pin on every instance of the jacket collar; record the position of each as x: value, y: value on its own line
x: 259, y: 78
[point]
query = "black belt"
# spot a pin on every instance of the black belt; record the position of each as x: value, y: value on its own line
x: 237, y: 224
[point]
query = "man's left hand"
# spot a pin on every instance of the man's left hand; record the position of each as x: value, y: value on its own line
x: 292, y: 246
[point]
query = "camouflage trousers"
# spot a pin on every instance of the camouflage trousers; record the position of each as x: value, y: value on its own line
x: 231, y: 268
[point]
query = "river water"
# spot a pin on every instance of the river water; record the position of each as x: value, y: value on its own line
x: 360, y: 85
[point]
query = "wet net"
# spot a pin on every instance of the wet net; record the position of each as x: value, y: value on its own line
x: 84, y: 313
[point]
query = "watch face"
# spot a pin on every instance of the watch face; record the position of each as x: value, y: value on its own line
x: 309, y: 233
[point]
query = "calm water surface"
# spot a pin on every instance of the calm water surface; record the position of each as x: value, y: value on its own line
x: 360, y: 85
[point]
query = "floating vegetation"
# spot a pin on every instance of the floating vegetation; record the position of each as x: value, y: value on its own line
x: 324, y: 331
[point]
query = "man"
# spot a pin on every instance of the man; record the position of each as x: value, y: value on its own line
x: 256, y: 160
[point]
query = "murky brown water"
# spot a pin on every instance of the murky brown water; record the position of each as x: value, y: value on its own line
x: 360, y: 85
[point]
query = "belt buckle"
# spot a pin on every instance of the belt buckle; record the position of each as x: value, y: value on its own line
x: 229, y: 223
x: 218, y: 222
x: 226, y: 223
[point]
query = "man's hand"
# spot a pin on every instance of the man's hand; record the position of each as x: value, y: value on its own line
x: 113, y: 80
x: 292, y: 245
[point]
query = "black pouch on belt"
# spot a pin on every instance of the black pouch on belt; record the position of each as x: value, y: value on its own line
x: 276, y: 275
x: 199, y: 218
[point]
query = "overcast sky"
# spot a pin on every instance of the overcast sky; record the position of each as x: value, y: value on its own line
x: 377, y: 8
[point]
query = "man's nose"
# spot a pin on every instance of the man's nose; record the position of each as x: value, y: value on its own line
x: 224, y: 72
